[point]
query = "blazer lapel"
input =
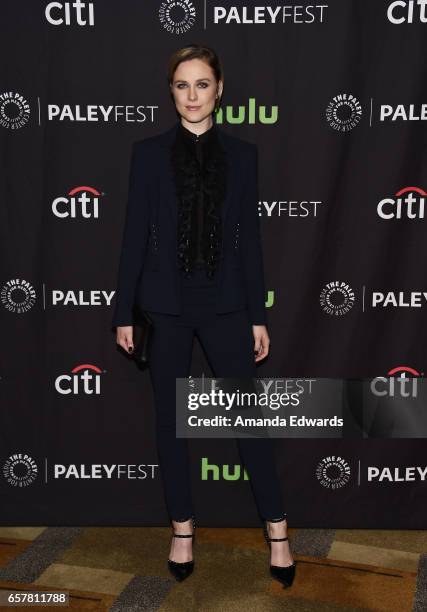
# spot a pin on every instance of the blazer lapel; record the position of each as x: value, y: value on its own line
x: 167, y: 187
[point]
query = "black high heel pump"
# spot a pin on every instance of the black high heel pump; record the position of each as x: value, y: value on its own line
x: 286, y: 574
x: 181, y: 571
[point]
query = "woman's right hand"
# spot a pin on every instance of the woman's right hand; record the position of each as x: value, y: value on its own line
x: 125, y: 337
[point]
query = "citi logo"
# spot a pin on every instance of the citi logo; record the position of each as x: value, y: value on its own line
x: 82, y: 202
x: 211, y: 471
x: 84, y: 379
x: 407, y: 11
x: 70, y: 13
x: 400, y: 382
x: 408, y: 203
x: 250, y: 114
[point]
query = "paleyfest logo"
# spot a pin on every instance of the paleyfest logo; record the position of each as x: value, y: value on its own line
x: 400, y: 112
x: 101, y: 113
x: 18, y: 295
x: 343, y: 112
x: 408, y: 203
x: 252, y: 14
x: 14, y: 110
x: 333, y: 472
x: 95, y: 471
x: 401, y: 299
x: 20, y: 470
x: 337, y: 298
x: 177, y: 16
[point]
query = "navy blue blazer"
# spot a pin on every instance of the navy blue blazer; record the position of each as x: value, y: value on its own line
x: 149, y: 275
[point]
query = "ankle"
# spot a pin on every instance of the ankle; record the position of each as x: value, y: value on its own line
x: 183, y: 527
x: 277, y: 526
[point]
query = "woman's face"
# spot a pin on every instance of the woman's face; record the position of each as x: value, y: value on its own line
x: 194, y: 89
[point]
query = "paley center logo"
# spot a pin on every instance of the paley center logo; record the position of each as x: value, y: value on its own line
x: 70, y: 13
x: 84, y: 379
x: 400, y: 381
x: 333, y: 472
x: 407, y: 11
x: 20, y: 470
x: 408, y: 203
x: 177, y: 16
x: 343, y: 112
x: 80, y: 202
x: 18, y: 295
x: 14, y: 110
x: 337, y: 298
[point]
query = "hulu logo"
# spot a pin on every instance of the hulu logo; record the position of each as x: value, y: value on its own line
x: 213, y: 471
x: 270, y: 299
x: 250, y: 114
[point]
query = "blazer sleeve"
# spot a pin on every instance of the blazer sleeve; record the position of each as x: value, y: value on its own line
x: 134, y: 238
x: 253, y: 263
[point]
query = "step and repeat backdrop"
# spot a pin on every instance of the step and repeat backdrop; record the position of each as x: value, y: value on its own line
x: 334, y: 93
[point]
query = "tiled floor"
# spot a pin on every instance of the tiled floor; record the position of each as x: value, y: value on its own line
x: 124, y: 569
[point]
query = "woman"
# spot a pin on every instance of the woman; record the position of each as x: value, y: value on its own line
x: 192, y: 258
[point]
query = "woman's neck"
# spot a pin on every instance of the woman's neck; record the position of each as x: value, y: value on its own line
x: 197, y: 128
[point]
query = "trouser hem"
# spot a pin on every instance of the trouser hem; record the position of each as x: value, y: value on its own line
x: 276, y: 520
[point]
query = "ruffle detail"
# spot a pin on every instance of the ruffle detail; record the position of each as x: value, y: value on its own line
x: 189, y: 178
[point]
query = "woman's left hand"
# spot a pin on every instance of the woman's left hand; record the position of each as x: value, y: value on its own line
x: 262, y: 341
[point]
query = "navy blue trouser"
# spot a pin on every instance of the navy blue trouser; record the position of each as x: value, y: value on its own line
x: 228, y: 342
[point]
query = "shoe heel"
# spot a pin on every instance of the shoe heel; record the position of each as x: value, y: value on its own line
x: 181, y: 571
x: 285, y: 575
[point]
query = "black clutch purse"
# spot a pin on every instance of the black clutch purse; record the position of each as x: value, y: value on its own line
x: 142, y: 335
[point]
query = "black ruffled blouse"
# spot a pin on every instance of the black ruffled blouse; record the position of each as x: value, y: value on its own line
x: 199, y: 164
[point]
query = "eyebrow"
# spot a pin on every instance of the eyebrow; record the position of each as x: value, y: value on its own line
x: 197, y: 80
